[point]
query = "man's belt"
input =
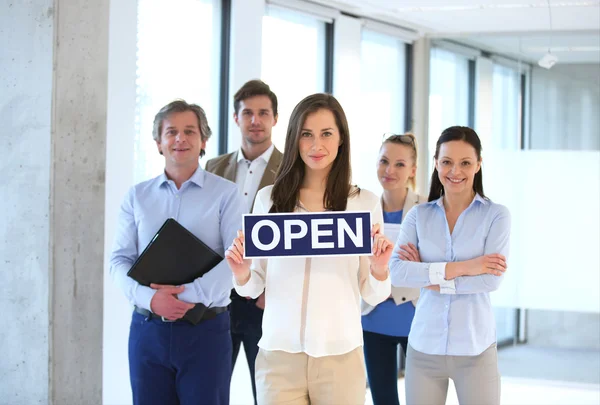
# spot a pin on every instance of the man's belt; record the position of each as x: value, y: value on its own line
x: 209, y: 313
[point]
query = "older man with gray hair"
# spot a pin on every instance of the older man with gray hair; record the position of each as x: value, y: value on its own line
x: 172, y: 361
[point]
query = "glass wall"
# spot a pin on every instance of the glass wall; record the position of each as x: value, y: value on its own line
x: 293, y: 61
x: 178, y: 55
x: 567, y: 100
x: 449, y: 89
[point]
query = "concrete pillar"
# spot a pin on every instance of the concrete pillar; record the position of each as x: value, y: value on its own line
x: 53, y: 109
x: 25, y: 114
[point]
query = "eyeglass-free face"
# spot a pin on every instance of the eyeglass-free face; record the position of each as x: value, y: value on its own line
x: 457, y: 165
x: 395, y: 165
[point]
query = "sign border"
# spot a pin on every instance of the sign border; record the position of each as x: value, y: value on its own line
x: 307, y: 213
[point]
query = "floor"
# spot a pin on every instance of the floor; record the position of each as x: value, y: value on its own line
x: 530, y: 376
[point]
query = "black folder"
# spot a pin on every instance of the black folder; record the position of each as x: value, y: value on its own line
x: 175, y: 256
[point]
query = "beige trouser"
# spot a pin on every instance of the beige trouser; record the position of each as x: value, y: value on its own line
x: 476, y: 378
x: 297, y: 378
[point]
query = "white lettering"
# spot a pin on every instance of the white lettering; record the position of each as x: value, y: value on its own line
x: 316, y: 232
x: 288, y: 235
x: 276, y: 235
x: 344, y: 228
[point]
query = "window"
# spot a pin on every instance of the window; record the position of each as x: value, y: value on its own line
x: 382, y: 101
x: 293, y: 61
x: 506, y: 118
x: 178, y: 56
x: 383, y: 75
x: 449, y: 89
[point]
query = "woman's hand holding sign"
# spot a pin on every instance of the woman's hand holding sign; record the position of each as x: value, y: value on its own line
x: 235, y: 258
x: 382, y: 251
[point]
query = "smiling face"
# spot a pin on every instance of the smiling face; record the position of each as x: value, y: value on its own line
x: 319, y: 140
x: 180, y: 140
x: 457, y: 164
x: 396, y: 165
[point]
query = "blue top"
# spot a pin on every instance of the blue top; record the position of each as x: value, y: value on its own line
x: 388, y: 318
x: 207, y: 205
x: 459, y: 321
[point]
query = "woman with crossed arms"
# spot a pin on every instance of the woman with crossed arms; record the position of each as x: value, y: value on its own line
x: 311, y: 347
x: 462, y: 238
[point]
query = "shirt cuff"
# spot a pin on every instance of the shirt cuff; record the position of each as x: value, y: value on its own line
x: 245, y: 290
x: 381, y: 287
x: 437, y: 274
x: 143, y: 297
x: 189, y: 294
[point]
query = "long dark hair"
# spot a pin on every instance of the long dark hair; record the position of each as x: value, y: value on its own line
x: 469, y: 136
x: 291, y: 171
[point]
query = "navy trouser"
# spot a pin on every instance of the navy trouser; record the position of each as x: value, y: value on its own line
x: 179, y: 363
x: 381, y: 359
x: 246, y: 329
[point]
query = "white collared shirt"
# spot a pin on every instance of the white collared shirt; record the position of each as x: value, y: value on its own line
x: 313, y: 304
x: 249, y: 173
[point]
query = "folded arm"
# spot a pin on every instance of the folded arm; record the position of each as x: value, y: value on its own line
x: 491, y: 265
x: 413, y: 274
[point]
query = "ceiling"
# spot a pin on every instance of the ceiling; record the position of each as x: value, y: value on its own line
x: 515, y: 28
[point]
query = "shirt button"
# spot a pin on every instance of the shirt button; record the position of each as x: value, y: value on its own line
x: 245, y: 193
x: 250, y: 171
x: 446, y: 305
x: 403, y: 298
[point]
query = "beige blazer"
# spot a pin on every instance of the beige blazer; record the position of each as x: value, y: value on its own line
x: 402, y: 295
x: 226, y: 167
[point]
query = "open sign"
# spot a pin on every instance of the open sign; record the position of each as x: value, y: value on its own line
x: 307, y: 234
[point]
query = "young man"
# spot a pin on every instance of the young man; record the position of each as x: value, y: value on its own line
x: 252, y: 167
x: 172, y: 361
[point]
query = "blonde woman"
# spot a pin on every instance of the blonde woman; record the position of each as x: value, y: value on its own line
x: 387, y: 325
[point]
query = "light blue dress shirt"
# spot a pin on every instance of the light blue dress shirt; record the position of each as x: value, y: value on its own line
x: 458, y: 320
x: 207, y: 205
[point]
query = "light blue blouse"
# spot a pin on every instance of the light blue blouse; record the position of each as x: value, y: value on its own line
x: 459, y: 320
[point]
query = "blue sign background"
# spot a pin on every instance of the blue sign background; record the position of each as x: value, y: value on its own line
x: 303, y: 246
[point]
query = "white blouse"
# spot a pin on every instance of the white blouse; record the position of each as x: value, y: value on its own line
x: 313, y: 304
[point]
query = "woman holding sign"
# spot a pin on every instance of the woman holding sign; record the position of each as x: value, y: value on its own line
x: 462, y: 239
x: 387, y: 325
x: 311, y: 348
